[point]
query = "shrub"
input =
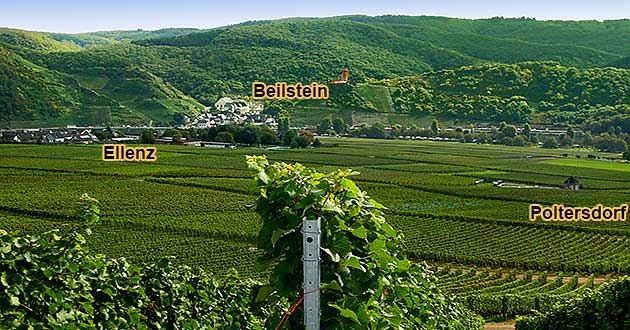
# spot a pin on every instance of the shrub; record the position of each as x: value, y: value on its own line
x: 367, y: 282
x: 50, y: 281
x: 550, y: 143
x: 606, y: 308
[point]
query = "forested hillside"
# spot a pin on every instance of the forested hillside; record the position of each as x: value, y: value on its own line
x: 150, y: 75
x: 543, y: 92
x: 48, y: 81
x: 29, y: 92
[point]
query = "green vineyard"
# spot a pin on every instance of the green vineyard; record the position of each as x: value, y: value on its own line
x: 195, y: 204
x: 497, y: 292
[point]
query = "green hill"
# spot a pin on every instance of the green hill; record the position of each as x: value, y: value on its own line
x: 611, y: 36
x: 53, y: 86
x: 152, y: 74
x: 544, y: 92
x: 140, y: 34
x: 25, y: 43
x: 103, y: 38
x: 32, y: 93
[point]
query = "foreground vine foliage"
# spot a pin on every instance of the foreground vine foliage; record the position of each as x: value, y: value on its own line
x: 51, y: 281
x: 367, y: 282
x: 605, y: 308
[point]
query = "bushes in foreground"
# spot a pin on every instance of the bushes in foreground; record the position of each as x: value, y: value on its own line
x: 50, y: 281
x: 367, y: 280
x: 606, y: 308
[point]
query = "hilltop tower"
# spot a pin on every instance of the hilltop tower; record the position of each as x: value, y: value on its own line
x: 343, y: 80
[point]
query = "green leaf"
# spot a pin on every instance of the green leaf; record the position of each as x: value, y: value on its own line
x: 360, y: 232
x: 352, y: 262
x: 349, y: 185
x: 377, y: 245
x: 277, y: 234
x: 388, y: 230
x: 14, y: 301
x: 347, y: 313
x: 134, y: 317
x: 263, y: 177
x: 65, y: 316
x: 333, y: 255
x: 331, y: 207
x: 264, y: 292
x: 332, y: 286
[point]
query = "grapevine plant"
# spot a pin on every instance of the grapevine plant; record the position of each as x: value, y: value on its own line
x: 367, y: 282
x: 51, y: 281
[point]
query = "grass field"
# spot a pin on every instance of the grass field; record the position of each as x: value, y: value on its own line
x: 194, y: 204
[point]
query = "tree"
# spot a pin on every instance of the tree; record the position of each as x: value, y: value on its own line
x: 283, y: 124
x: 294, y: 143
x: 527, y: 131
x: 317, y: 143
x: 224, y: 137
x: 178, y: 118
x: 570, y: 132
x: 483, y: 138
x: 324, y: 126
x: 248, y: 135
x: 303, y: 141
x: 550, y: 143
x: 103, y: 134
x: 177, y: 137
x: 147, y: 136
x: 587, y: 139
x: 519, y: 141
x: 269, y: 137
x: 509, y: 131
x: 339, y: 125
x: 566, y: 140
x: 619, y: 146
x: 435, y: 127
x: 289, y: 138
x: 376, y: 131
x: 606, y: 142
x: 308, y: 134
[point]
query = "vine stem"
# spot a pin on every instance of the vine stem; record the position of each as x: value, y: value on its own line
x: 293, y: 308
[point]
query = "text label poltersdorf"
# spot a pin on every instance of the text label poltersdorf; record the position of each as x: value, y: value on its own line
x: 559, y: 212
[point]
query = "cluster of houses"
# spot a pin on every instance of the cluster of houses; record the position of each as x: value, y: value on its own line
x: 49, y: 136
x: 234, y: 112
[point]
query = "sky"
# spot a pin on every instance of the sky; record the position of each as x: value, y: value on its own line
x: 74, y: 16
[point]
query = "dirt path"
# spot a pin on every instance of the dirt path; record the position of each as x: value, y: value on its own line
x: 498, y: 326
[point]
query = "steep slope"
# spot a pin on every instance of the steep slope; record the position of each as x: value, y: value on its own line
x: 29, y: 92
x: 300, y: 50
x: 25, y: 43
x: 162, y: 72
x: 545, y: 92
x: 52, y: 85
x: 140, y: 34
x: 611, y: 36
x: 496, y: 40
x: 124, y: 78
x: 81, y: 40
x: 103, y: 38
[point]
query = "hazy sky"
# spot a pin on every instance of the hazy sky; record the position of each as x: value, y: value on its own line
x: 85, y: 15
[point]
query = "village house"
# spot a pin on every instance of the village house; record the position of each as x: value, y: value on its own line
x: 572, y: 183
